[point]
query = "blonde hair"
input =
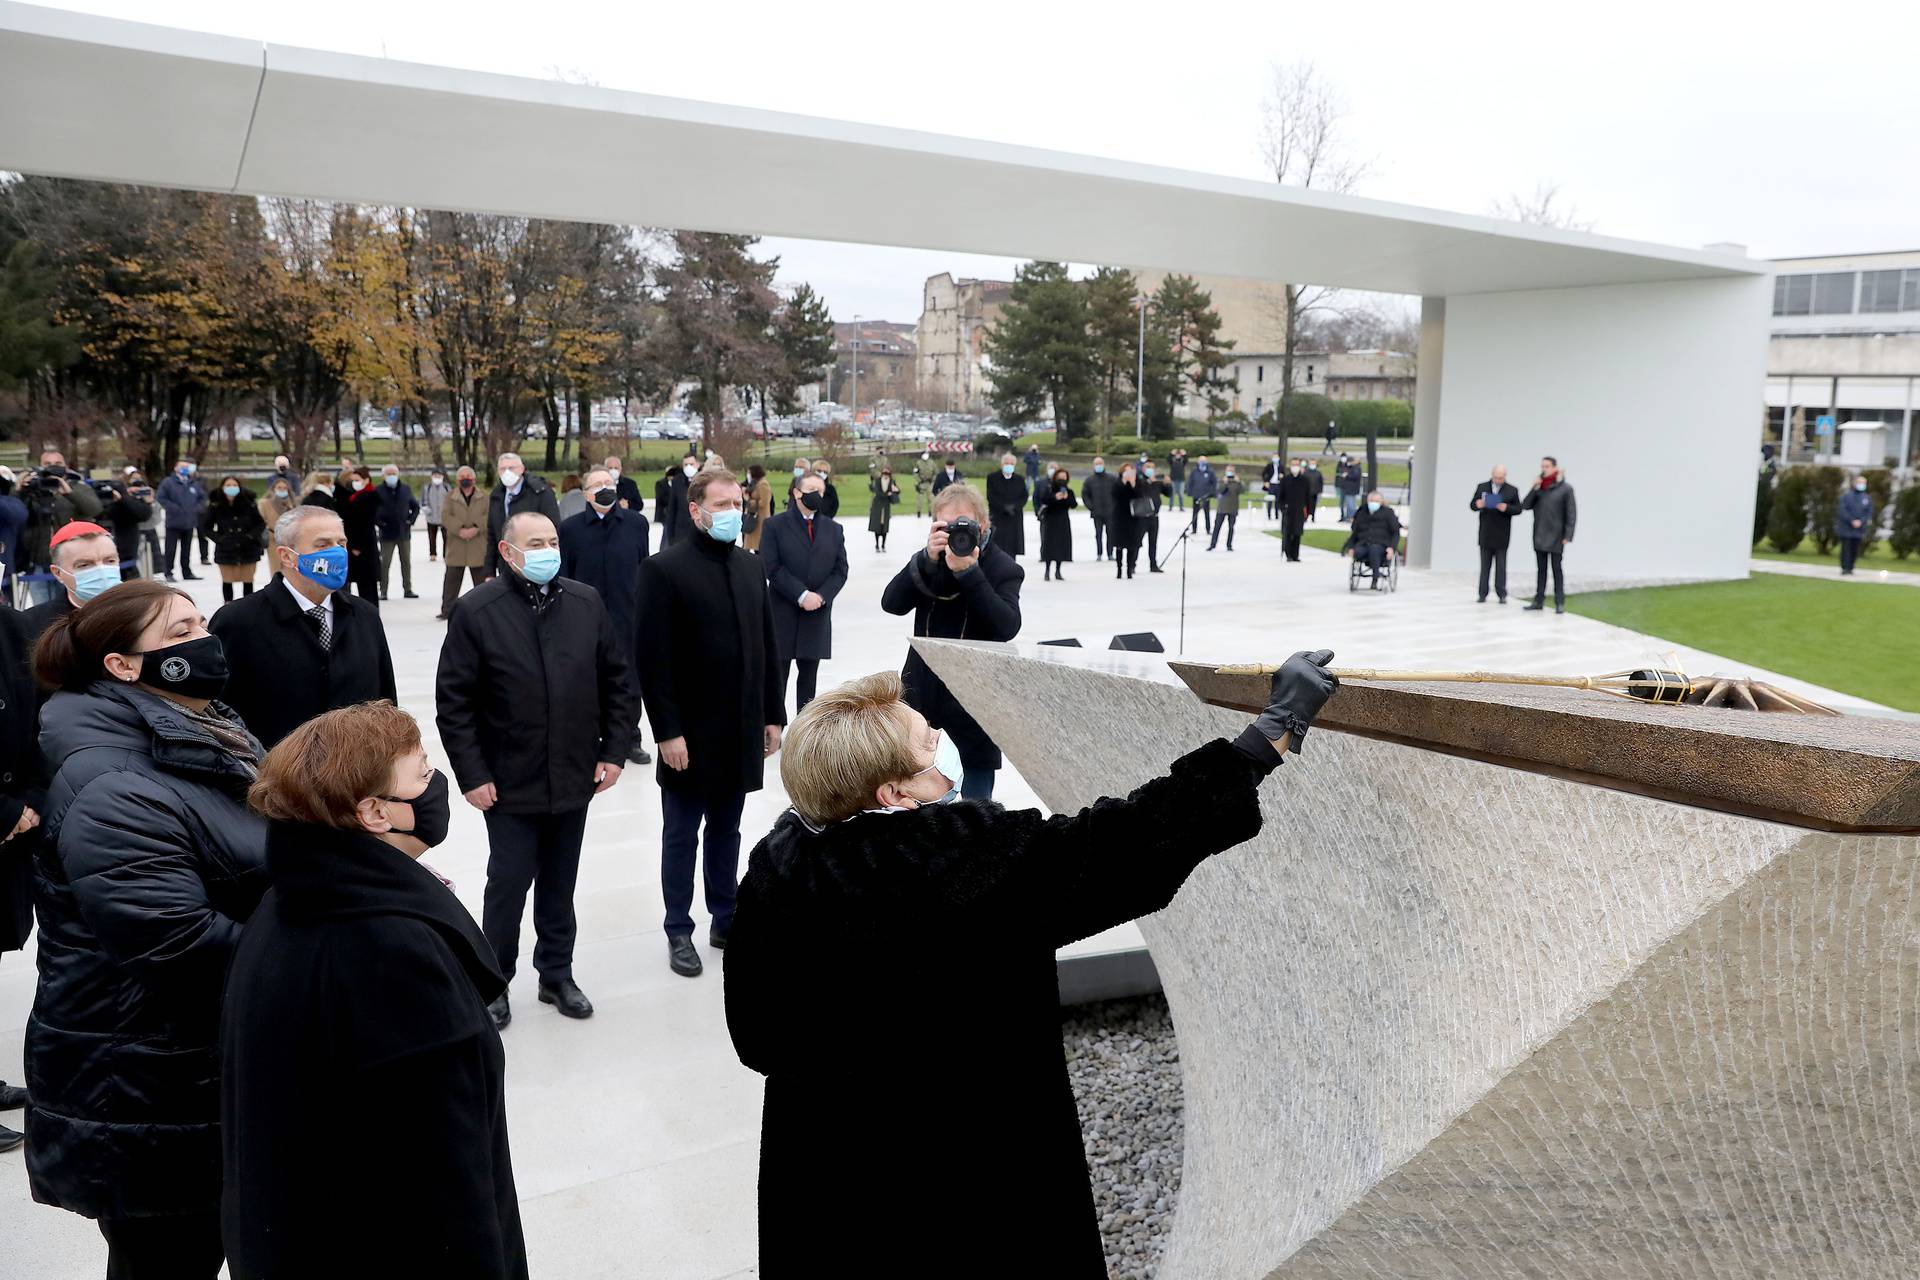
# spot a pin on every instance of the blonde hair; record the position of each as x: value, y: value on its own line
x: 960, y: 492
x: 843, y: 746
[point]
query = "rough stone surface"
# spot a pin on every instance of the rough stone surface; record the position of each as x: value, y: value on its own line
x: 1445, y: 1018
x: 1124, y: 1062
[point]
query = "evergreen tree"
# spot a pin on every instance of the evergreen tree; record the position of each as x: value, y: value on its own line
x: 804, y: 332
x: 1195, y: 350
x: 1113, y: 328
x: 717, y: 303
x: 1041, y: 353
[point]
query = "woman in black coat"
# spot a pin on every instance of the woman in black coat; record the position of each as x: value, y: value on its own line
x: 979, y: 600
x: 362, y: 977
x: 233, y: 524
x: 1055, y: 500
x: 1125, y: 528
x: 897, y: 1091
x: 880, y: 510
x: 1007, y: 497
x: 150, y: 864
x: 360, y: 513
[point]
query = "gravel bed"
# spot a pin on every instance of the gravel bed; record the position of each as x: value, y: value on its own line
x: 1124, y: 1063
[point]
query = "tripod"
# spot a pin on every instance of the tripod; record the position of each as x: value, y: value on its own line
x: 1180, y: 545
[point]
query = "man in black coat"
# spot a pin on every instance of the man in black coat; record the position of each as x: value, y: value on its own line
x: 23, y: 795
x: 629, y: 490
x: 1007, y: 507
x: 603, y: 547
x: 536, y: 715
x: 710, y: 673
x: 1316, y: 483
x: 952, y: 596
x: 1097, y: 493
x: 670, y: 500
x: 1554, y: 513
x: 1498, y: 503
x: 1375, y: 535
x: 1296, y: 495
x: 393, y: 521
x: 517, y: 492
x: 304, y: 645
x: 122, y: 512
x: 949, y: 473
x: 805, y: 554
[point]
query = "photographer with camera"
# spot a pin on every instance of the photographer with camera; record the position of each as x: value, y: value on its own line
x: 962, y: 587
x: 124, y: 511
x: 55, y: 496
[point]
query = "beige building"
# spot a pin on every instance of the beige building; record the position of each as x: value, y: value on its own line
x: 1845, y: 345
x: 1253, y: 313
x: 1369, y: 375
x: 950, y: 342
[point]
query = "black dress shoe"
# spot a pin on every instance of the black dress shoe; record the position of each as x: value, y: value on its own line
x: 12, y: 1097
x: 639, y: 756
x: 717, y: 939
x: 410, y: 595
x: 501, y: 1011
x: 1559, y: 608
x: 566, y: 996
x: 9, y: 1138
x: 1535, y: 605
x: 1481, y: 600
x: 682, y: 958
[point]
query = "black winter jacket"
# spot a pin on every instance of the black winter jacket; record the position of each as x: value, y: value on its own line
x: 533, y: 693
x: 151, y: 863
x: 896, y: 1091
x: 361, y: 976
x: 397, y: 511
x: 980, y: 604
x: 22, y: 783
x: 235, y: 527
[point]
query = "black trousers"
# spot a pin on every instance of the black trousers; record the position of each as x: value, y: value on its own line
x: 433, y: 537
x: 1541, y: 560
x: 1099, y: 537
x: 1202, y: 515
x: 804, y: 688
x: 1125, y: 558
x: 1226, y: 520
x: 363, y: 573
x: 540, y: 851
x: 683, y: 814
x: 1295, y: 524
x: 180, y: 543
x: 1494, y: 558
x: 175, y: 1246
x: 1849, y: 552
x: 450, y: 588
x: 1152, y: 524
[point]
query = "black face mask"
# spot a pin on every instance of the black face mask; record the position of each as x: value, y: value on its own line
x: 432, y: 811
x: 605, y: 497
x: 192, y: 668
x: 811, y: 501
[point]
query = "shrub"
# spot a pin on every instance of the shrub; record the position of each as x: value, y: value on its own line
x: 1880, y: 490
x: 1823, y: 503
x: 1391, y: 419
x: 1905, y: 539
x: 1787, y: 520
x: 1762, y: 506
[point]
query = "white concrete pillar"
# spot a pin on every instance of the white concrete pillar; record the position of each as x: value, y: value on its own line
x: 1426, y: 430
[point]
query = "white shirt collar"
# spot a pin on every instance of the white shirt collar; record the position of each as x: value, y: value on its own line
x: 306, y: 605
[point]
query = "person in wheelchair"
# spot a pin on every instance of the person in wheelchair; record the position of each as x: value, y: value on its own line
x: 1375, y: 536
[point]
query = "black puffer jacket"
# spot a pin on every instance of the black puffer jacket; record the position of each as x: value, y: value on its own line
x: 151, y: 863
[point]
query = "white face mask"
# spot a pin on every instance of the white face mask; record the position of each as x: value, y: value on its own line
x: 359, y: 484
x: 509, y: 477
x: 689, y: 470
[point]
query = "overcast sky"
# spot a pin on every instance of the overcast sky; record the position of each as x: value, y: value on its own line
x: 1791, y: 129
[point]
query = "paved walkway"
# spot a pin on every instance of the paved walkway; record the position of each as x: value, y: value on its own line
x: 635, y: 1133
x: 1862, y: 572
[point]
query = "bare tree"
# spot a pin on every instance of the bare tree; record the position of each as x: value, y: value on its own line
x: 1301, y: 139
x: 1543, y: 209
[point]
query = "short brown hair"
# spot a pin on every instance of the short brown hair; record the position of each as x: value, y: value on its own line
x: 321, y: 771
x: 843, y: 746
x: 68, y: 656
x: 705, y: 480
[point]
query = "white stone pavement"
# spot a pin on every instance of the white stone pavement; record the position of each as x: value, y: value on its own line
x: 635, y: 1134
x: 1864, y: 572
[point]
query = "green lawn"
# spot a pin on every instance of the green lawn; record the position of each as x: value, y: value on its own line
x: 1854, y: 637
x: 1876, y: 556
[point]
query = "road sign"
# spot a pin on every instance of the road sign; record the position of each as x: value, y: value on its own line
x: 1823, y: 425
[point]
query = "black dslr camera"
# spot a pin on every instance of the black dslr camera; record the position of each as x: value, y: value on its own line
x: 963, y: 537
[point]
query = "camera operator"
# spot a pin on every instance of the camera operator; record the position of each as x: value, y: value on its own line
x: 124, y: 510
x: 961, y: 587
x: 55, y: 497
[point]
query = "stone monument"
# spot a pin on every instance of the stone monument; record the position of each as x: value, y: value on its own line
x: 1521, y: 984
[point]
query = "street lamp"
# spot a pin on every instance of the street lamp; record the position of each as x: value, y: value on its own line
x: 856, y: 376
x: 1140, y: 373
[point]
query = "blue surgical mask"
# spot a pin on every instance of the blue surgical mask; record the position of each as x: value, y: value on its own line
x: 798, y: 472
x: 540, y: 564
x: 1147, y: 471
x: 725, y: 526
x: 1860, y: 487
x: 1373, y: 506
x: 92, y: 580
x: 326, y: 568
x: 231, y: 490
x: 1099, y: 467
x: 946, y: 761
x: 390, y: 481
x: 1006, y: 469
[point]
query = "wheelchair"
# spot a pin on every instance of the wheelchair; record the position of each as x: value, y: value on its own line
x: 1359, y: 572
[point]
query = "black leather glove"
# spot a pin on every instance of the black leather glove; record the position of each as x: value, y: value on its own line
x: 1300, y: 688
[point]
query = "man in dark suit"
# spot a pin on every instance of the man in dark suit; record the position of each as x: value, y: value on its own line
x: 1296, y: 496
x: 603, y: 547
x: 535, y: 709
x: 670, y: 500
x: 303, y: 646
x: 516, y: 493
x: 709, y: 674
x: 805, y: 555
x: 629, y: 491
x: 1498, y: 503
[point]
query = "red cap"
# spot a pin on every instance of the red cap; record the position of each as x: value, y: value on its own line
x: 75, y: 529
